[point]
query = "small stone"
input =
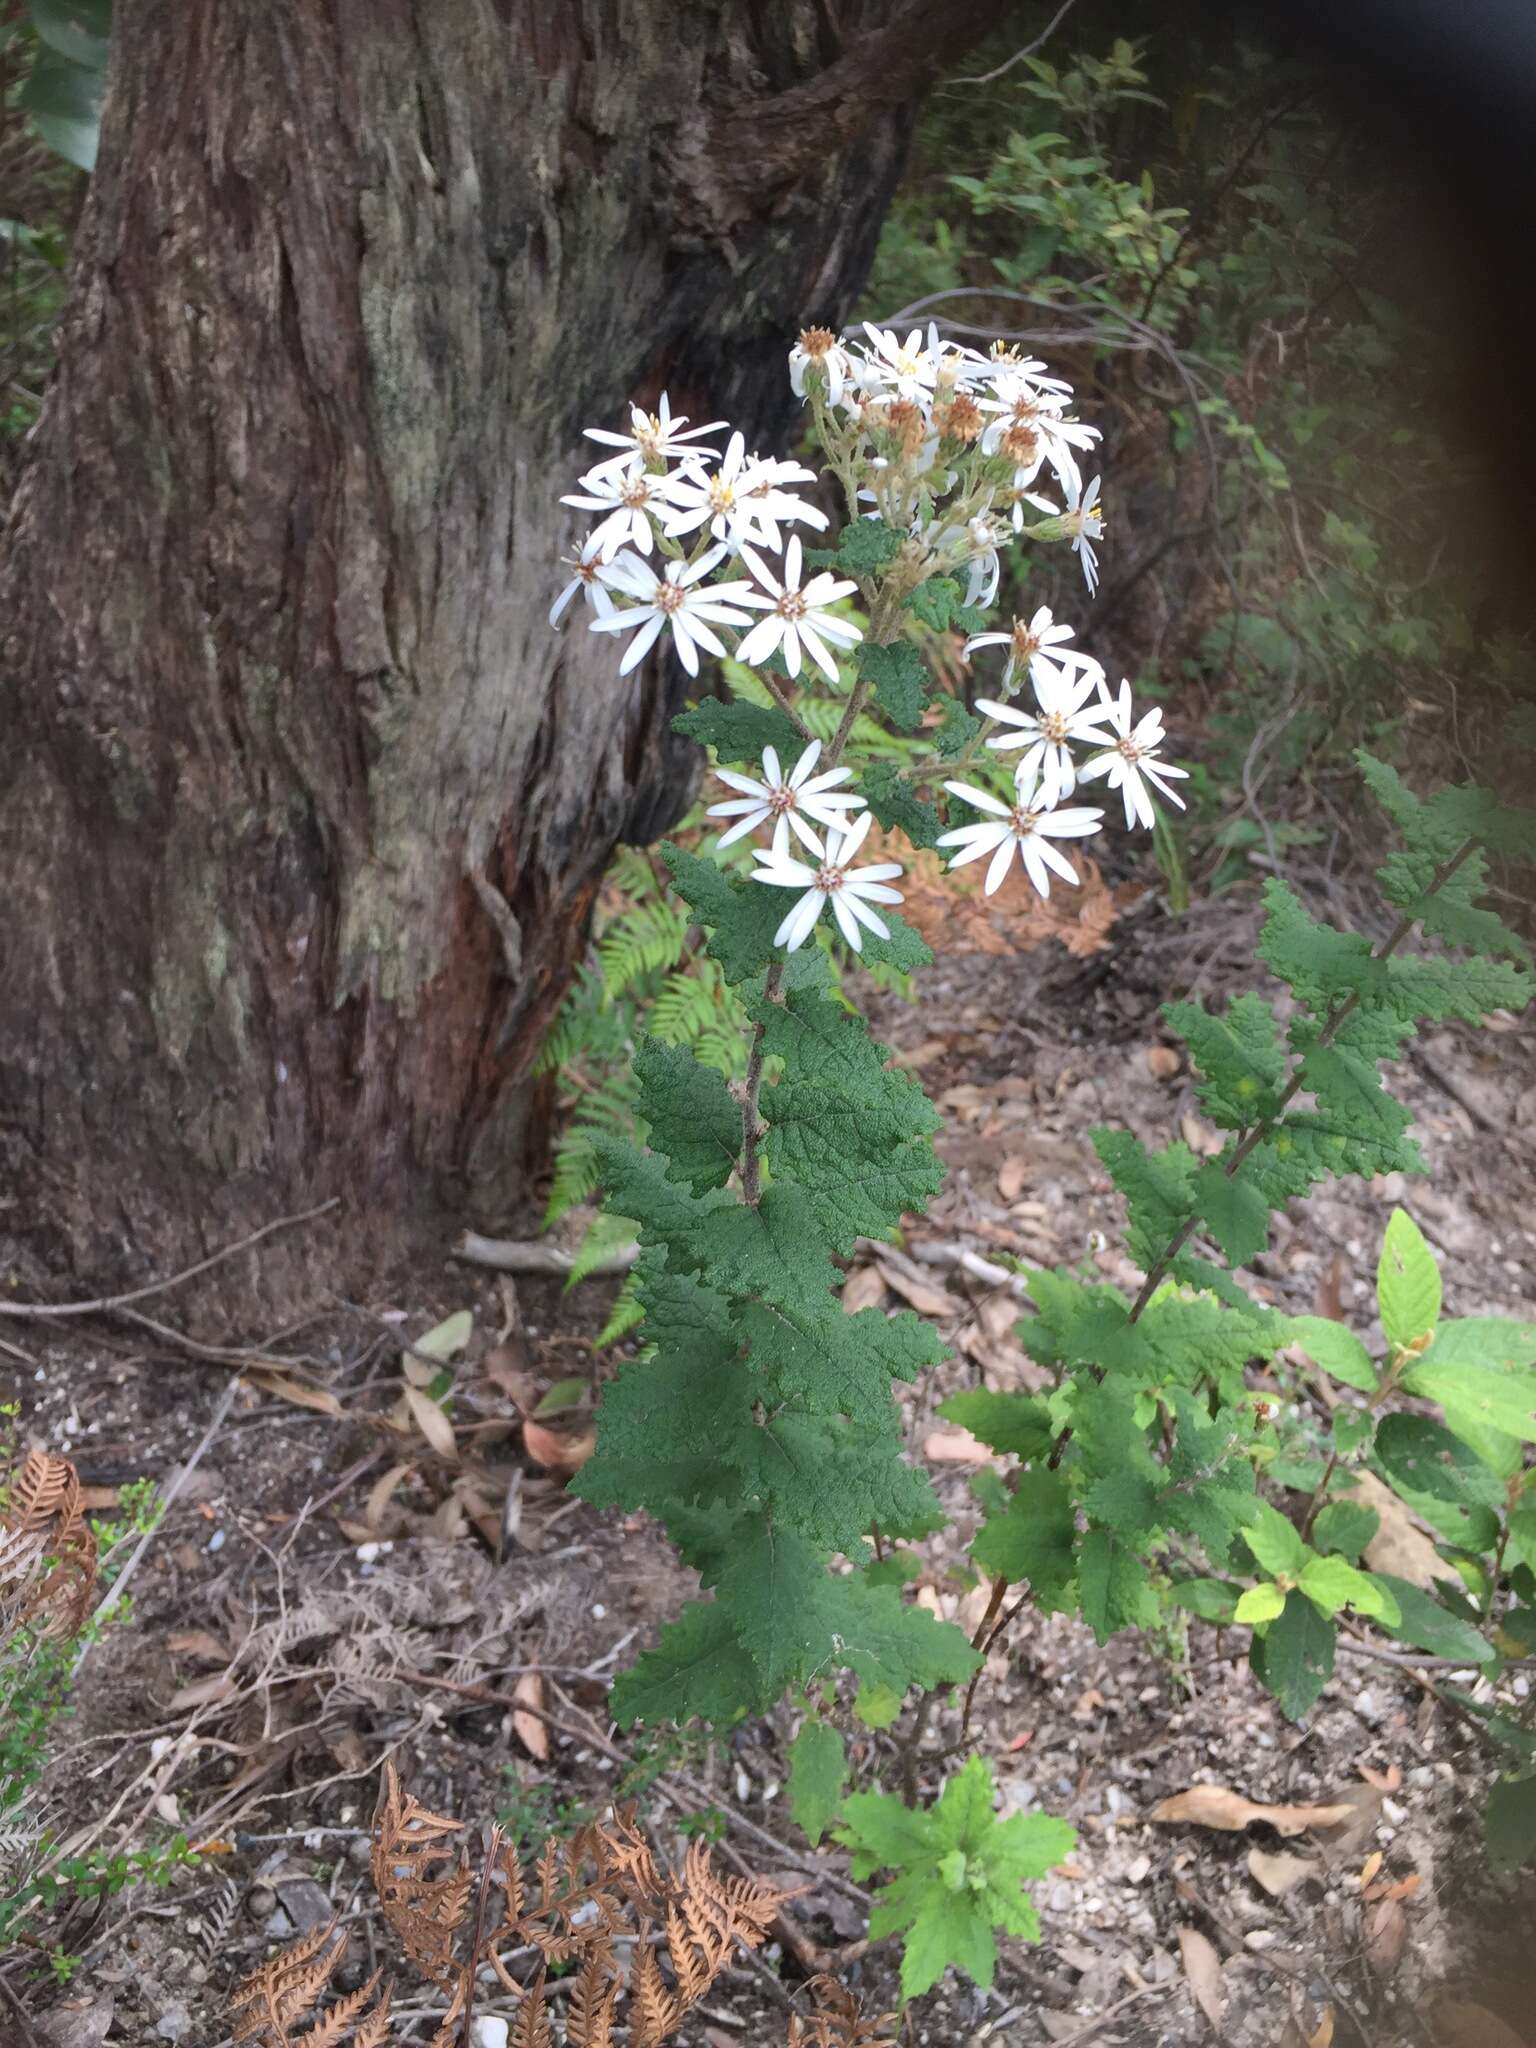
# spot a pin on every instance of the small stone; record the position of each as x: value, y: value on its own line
x: 1261, y: 1937
x: 173, y: 2024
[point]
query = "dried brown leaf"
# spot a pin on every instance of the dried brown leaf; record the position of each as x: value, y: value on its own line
x: 47, y: 1551
x: 556, y: 1451
x: 921, y: 1294
x: 1163, y: 1062
x: 287, y: 1386
x: 432, y: 1422
x: 1278, y: 1872
x: 1215, y: 1806
x: 1202, y: 1969
x: 531, y: 1731
x: 1386, y: 1934
x: 864, y: 1288
x: 382, y: 1492
x: 197, y: 1642
x: 202, y: 1692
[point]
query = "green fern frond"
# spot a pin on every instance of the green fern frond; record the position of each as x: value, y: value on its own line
x: 627, y: 1312
x: 606, y: 1234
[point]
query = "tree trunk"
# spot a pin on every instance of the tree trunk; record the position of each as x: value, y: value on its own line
x: 303, y: 806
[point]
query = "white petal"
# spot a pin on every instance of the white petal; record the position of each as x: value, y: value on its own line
x: 977, y: 798
x: 997, y: 872
x: 792, y: 932
x: 805, y: 764
x: 761, y: 641
x: 867, y: 917
x: 847, y: 922
x: 642, y: 643
x: 773, y: 774
x: 793, y: 821
x: 748, y: 824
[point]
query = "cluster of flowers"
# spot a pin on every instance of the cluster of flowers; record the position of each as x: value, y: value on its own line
x: 940, y: 442
x: 938, y: 400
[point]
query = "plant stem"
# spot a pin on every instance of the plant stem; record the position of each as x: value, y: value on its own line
x: 751, y: 1130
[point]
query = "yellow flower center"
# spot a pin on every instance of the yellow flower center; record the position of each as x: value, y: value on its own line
x: 1054, y: 726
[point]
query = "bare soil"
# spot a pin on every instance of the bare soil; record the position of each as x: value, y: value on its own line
x: 293, y: 1627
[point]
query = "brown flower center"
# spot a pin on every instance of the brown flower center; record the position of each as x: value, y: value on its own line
x: 1023, y: 820
x: 829, y: 878
x: 1025, y: 643
x: 636, y: 492
x: 791, y: 605
x: 816, y: 341
x: 781, y: 799
x: 670, y: 597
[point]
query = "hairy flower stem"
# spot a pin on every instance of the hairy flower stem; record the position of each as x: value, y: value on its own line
x: 751, y: 1128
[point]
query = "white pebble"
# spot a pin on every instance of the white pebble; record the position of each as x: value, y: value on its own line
x: 490, y: 2032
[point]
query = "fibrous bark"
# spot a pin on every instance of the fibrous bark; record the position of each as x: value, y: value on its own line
x: 302, y: 805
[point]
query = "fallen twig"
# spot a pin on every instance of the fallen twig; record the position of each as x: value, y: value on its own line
x: 518, y: 1255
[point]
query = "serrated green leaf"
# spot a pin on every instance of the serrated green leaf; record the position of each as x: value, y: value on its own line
x: 1033, y: 1538
x: 1276, y: 1542
x: 739, y: 731
x: 692, y: 1115
x: 1212, y: 1599
x: 1407, y: 1282
x: 1343, y: 1529
x: 864, y: 546
x: 878, y: 1706
x: 1012, y: 1424
x: 1260, y: 1603
x: 1441, y: 1478
x: 741, y: 919
x: 900, y: 679
x: 697, y: 1669
x: 818, y: 1773
x: 940, y: 603
x: 1158, y: 1188
x: 853, y: 1133
x: 1240, y: 1056
x: 956, y: 728
x: 1293, y: 1658
x: 1479, y: 1370
x: 1112, y: 1585
x: 1338, y: 1351
x: 896, y: 806
x: 1331, y: 1583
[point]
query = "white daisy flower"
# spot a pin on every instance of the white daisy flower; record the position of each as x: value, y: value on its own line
x: 819, y: 348
x: 784, y: 798
x: 1030, y: 426
x: 673, y: 598
x: 653, y: 437
x: 1132, y: 764
x: 797, y: 614
x: 771, y: 505
x: 984, y: 537
x: 906, y: 368
x: 849, y: 890
x: 1064, y: 715
x: 630, y: 497
x: 1029, y: 823
x: 1033, y: 640
x: 587, y: 566
x: 1084, y: 519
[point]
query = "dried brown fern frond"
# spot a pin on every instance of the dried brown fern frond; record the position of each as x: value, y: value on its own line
x: 583, y: 1896
x: 47, y: 1552
x: 268, y: 2005
x: 424, y: 1904
x: 838, y: 2022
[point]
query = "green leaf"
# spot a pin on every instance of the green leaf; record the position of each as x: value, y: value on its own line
x: 853, y: 1133
x: 1113, y: 1585
x: 448, y: 1338
x: 1441, y: 1478
x: 1331, y: 1583
x: 1407, y: 1283
x: 741, y: 920
x: 956, y: 728
x: 1293, y: 1659
x: 863, y: 547
x: 900, y: 679
x: 959, y: 1873
x: 1338, y: 1351
x: 739, y: 731
x: 1212, y: 1599
x: 1260, y: 1603
x: 692, y: 1115
x: 1343, y: 1529
x: 697, y: 1668
x: 1241, y: 1059
x: 1033, y: 1539
x: 1423, y: 1622
x: 895, y: 806
x: 563, y: 1396
x: 878, y: 1706
x: 1158, y: 1188
x: 818, y: 1773
x: 1276, y: 1542
x: 79, y: 30
x: 940, y: 603
x: 1233, y: 1210
x: 64, y: 101
x: 1016, y: 1424
x: 1479, y: 1370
